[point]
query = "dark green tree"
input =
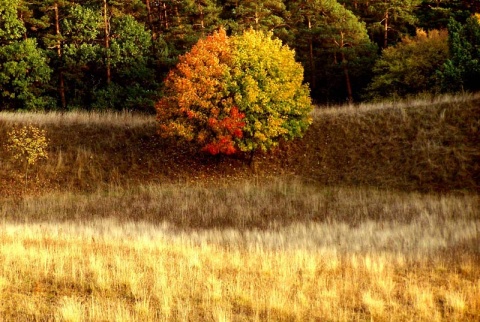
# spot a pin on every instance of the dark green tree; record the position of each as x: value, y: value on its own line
x: 334, y: 44
x: 386, y: 20
x: 256, y: 14
x: 410, y: 67
x: 23, y: 65
x: 462, y: 70
x: 133, y: 84
x: 435, y: 14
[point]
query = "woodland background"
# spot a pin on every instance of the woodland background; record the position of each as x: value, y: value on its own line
x: 105, y: 54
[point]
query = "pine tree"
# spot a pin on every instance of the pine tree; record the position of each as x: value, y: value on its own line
x: 23, y: 65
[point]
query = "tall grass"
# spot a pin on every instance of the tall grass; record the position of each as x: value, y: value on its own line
x: 252, y: 251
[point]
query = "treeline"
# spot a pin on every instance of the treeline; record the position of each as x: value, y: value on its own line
x: 104, y: 54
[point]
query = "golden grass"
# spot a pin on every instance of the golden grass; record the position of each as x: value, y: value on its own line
x: 59, y: 271
x: 126, y: 254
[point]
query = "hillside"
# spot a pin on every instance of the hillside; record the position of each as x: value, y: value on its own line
x: 418, y: 145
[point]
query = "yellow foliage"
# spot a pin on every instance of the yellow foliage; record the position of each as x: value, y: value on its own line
x: 28, y: 143
x: 254, y: 76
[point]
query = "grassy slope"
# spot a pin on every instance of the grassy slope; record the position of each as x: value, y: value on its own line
x: 431, y: 147
x: 120, y: 225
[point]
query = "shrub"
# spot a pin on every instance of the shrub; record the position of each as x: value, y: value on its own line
x: 27, y: 144
x: 230, y: 94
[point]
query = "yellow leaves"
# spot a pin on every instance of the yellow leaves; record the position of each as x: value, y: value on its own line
x: 252, y: 73
x: 28, y: 143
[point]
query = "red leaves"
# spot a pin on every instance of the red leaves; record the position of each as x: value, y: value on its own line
x: 227, y: 129
x: 223, y: 144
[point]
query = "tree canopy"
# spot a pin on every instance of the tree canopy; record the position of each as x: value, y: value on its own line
x: 99, y: 54
x: 241, y: 93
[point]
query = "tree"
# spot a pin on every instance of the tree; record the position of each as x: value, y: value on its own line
x: 265, y: 15
x: 435, y: 14
x: 11, y: 28
x: 82, y: 54
x: 230, y: 94
x: 387, y: 20
x: 410, y: 67
x: 23, y: 66
x: 132, y: 84
x: 332, y: 42
x: 462, y: 70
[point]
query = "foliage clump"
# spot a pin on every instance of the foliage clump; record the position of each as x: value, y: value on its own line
x: 231, y: 94
x: 410, y: 67
x: 27, y: 144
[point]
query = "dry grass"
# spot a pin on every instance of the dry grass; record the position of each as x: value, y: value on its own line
x: 297, y: 252
x: 252, y: 251
x: 346, y: 224
x: 424, y: 146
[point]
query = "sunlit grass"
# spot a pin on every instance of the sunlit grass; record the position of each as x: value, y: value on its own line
x: 114, y: 255
x: 62, y: 271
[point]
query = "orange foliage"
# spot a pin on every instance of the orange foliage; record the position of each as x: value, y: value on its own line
x: 228, y: 128
x: 194, y: 106
x: 243, y: 93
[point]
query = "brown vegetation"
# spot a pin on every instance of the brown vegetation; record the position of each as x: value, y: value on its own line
x: 432, y: 146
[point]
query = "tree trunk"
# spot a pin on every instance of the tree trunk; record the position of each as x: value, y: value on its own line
x: 165, y: 16
x: 345, y: 70
x: 385, y: 30
x: 149, y: 14
x: 312, y: 61
x: 107, y: 40
x: 347, y: 79
x: 61, y: 86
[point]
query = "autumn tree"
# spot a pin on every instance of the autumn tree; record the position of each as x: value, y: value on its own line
x: 410, y: 67
x: 231, y: 94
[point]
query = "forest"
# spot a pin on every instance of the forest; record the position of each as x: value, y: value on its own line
x: 105, y: 54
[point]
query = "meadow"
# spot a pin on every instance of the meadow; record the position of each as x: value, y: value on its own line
x: 373, y: 216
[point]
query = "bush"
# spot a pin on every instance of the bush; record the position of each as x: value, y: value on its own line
x: 231, y: 94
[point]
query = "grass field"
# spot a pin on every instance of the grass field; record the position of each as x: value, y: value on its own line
x: 118, y: 225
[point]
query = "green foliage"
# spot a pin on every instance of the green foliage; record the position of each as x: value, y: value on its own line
x: 22, y: 67
x: 133, y: 80
x: 410, y: 67
x: 243, y: 93
x: 11, y: 28
x: 462, y: 71
x: 265, y: 15
x: 435, y: 14
x: 97, y: 54
x: 333, y: 43
x: 387, y: 21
